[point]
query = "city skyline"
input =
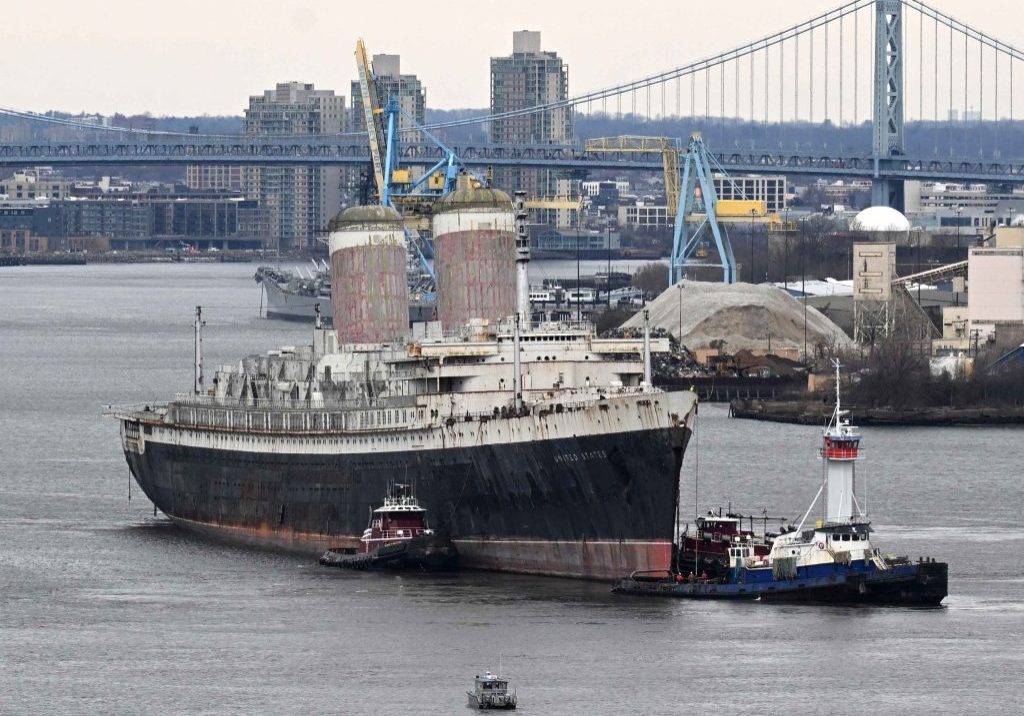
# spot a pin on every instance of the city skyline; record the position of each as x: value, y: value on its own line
x: 132, y: 59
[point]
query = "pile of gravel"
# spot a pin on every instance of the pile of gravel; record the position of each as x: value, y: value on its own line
x: 741, y: 314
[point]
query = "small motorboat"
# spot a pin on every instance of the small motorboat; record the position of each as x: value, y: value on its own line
x: 490, y: 691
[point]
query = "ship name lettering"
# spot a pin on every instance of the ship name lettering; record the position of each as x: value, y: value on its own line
x: 581, y: 456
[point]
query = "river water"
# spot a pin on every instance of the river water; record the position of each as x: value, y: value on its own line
x: 108, y: 609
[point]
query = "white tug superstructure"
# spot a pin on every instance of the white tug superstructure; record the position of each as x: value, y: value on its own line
x: 844, y: 529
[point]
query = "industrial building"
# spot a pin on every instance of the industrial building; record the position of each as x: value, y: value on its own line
x: 770, y: 189
x: 300, y: 199
x: 527, y: 78
x: 996, y: 280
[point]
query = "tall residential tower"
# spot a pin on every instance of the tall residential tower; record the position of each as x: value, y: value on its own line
x: 527, y: 78
x: 300, y: 200
x: 412, y: 96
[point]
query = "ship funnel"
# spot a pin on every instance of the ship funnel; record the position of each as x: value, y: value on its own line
x: 369, y: 287
x: 475, y: 253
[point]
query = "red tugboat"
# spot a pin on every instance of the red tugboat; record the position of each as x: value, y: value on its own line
x: 715, y: 543
x: 397, y: 537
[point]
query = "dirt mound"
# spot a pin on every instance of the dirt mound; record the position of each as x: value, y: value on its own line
x: 743, y: 315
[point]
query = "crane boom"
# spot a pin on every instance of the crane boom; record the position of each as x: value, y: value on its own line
x: 371, y: 112
x: 668, y: 148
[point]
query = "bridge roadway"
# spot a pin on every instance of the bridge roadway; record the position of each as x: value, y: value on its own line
x: 345, y: 151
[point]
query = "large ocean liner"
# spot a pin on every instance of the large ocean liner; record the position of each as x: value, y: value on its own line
x: 539, y: 448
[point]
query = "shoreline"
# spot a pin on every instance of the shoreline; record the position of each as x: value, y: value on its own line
x: 812, y: 412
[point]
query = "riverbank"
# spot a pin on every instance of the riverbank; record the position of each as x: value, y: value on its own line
x: 130, y: 257
x: 808, y: 412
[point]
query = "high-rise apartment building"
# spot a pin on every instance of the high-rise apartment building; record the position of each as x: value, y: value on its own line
x: 300, y: 200
x: 214, y: 177
x: 527, y: 78
x: 412, y: 96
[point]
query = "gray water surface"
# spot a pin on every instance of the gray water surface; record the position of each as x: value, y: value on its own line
x: 108, y: 609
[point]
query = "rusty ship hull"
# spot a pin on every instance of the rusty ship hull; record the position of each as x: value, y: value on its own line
x: 584, y: 494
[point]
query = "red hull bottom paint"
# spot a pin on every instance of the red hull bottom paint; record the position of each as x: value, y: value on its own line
x: 601, y: 560
x: 588, y: 559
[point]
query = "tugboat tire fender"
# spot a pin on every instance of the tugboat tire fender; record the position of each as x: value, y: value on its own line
x: 821, y: 545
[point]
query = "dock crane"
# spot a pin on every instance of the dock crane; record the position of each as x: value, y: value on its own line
x: 697, y: 171
x: 667, y: 147
x: 396, y: 187
x: 697, y: 167
x: 371, y: 113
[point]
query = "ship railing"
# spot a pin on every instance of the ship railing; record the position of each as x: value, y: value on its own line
x: 298, y: 420
x: 297, y: 404
x: 115, y: 411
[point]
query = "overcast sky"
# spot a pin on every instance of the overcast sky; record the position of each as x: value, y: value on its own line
x: 177, y: 57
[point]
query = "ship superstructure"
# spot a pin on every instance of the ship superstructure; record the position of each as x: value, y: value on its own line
x: 539, y: 448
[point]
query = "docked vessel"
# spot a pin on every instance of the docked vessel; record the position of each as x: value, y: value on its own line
x: 397, y: 537
x: 714, y: 542
x: 834, y: 561
x: 490, y: 691
x: 293, y: 296
x: 539, y: 448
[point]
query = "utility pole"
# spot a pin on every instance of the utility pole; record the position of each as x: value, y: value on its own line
x: 785, y: 251
x: 803, y: 278
x: 608, y: 270
x: 751, y: 242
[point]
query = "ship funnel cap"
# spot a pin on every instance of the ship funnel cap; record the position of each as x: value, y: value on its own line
x: 468, y: 196
x: 363, y: 217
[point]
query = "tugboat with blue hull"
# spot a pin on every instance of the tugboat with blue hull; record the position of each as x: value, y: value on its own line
x: 833, y: 562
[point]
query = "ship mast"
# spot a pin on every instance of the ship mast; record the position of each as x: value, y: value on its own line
x: 647, y: 349
x: 840, y: 449
x: 517, y: 378
x: 198, y: 387
x: 522, y: 260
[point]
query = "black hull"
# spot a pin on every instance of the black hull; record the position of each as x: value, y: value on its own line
x: 585, y: 506
x: 921, y: 585
x: 426, y: 553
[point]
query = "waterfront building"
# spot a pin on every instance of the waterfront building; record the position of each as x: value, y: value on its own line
x: 138, y: 221
x: 527, y: 78
x: 971, y: 208
x: 37, y: 183
x: 300, y: 199
x: 567, y: 243
x: 770, y: 189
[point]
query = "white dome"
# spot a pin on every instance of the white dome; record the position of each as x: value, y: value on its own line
x: 1018, y: 220
x: 880, y: 219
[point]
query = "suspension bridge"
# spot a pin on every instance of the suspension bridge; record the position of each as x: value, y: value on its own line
x: 887, y: 65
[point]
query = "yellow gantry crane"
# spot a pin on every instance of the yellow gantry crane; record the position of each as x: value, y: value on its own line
x: 668, y: 148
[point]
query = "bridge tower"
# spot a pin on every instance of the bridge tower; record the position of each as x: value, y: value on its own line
x: 888, y: 101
